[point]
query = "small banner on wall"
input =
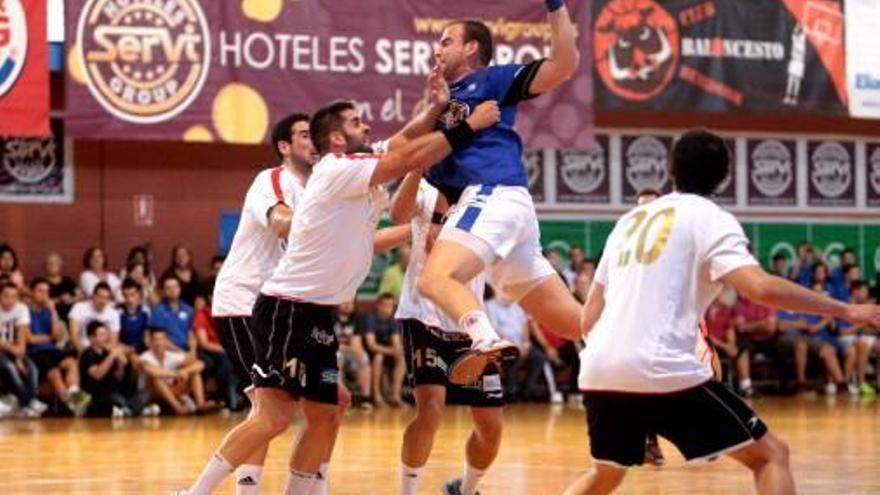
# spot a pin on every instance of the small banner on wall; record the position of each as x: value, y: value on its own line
x: 873, y: 165
x: 752, y: 55
x: 645, y: 164
x: 772, y: 172
x: 863, y: 58
x: 832, y: 175
x: 24, y: 69
x: 584, y: 176
x: 35, y: 170
x: 534, y: 164
x: 198, y: 70
x: 726, y: 193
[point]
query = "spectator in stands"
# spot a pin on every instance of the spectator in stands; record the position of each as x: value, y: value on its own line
x: 721, y: 323
x: 556, y: 262
x: 138, y: 266
x: 392, y: 279
x: 847, y: 259
x: 46, y: 330
x: 217, y: 365
x: 183, y: 268
x: 576, y: 260
x: 543, y: 356
x: 755, y: 329
x: 9, y: 267
x: 175, y: 377
x: 352, y: 354
x: 206, y: 286
x: 134, y: 317
x: 137, y: 273
x: 802, y: 268
x: 385, y: 346
x: 103, y: 369
x: 62, y: 288
x: 780, y: 266
x: 823, y: 342
x: 851, y: 275
x: 98, y: 308
x: 793, y: 339
x: 18, y: 374
x: 581, y: 286
x: 820, y: 276
x: 95, y: 270
x: 175, y: 316
x: 512, y: 324
x: 859, y: 341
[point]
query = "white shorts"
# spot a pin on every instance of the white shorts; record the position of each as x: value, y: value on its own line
x: 500, y: 225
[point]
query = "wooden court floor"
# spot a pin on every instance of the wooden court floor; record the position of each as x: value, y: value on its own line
x: 836, y: 450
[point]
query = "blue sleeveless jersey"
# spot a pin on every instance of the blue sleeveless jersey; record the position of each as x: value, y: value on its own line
x: 494, y: 156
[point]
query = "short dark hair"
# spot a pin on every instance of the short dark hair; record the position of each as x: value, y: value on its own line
x: 780, y: 256
x: 102, y: 286
x: 92, y: 327
x: 385, y: 295
x: 153, y: 330
x: 326, y: 120
x: 130, y: 283
x: 700, y: 162
x: 648, y: 191
x: 6, y: 284
x: 477, y: 31
x: 170, y: 276
x: 856, y: 285
x: 282, y: 131
x: 39, y: 280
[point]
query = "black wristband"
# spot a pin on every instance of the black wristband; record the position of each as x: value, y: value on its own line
x: 459, y: 135
x: 438, y: 218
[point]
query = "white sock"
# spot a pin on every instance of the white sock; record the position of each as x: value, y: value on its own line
x: 320, y: 485
x: 247, y: 479
x: 212, y: 475
x: 471, y: 477
x: 745, y: 384
x: 477, y: 325
x: 299, y: 483
x: 409, y: 479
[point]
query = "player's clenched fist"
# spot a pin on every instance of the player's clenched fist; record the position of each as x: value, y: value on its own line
x: 485, y: 115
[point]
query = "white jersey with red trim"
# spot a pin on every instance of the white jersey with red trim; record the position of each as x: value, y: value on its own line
x: 255, y: 249
x: 330, y: 246
x: 661, y: 268
x: 412, y: 305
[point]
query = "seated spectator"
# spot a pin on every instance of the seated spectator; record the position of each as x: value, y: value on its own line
x: 512, y: 324
x: 720, y: 323
x: 133, y: 318
x: 60, y: 371
x: 217, y: 365
x: 97, y: 308
x: 847, y: 259
x: 103, y: 369
x: 576, y: 259
x: 851, y: 275
x: 820, y: 277
x: 206, y: 286
x: 382, y: 336
x: 183, y: 269
x: 822, y: 344
x: 95, y: 271
x: 9, y: 267
x: 793, y: 339
x: 139, y: 267
x: 755, y: 331
x: 175, y: 378
x: 175, y: 316
x: 861, y: 339
x: 780, y: 266
x: 18, y: 374
x: 392, y: 278
x: 62, y: 288
x: 352, y: 354
x: 802, y: 268
x: 138, y: 273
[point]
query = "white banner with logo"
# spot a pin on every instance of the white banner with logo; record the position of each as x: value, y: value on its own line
x: 777, y: 174
x: 863, y: 57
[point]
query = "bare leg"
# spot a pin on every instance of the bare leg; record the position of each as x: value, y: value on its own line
x: 319, y: 434
x: 164, y: 392
x: 449, y: 267
x: 197, y: 388
x: 71, y: 372
x: 863, y: 351
x: 768, y: 459
x: 600, y: 480
x: 377, y: 370
x: 58, y: 385
x: 418, y: 439
x: 832, y: 365
x: 397, y: 376
x: 563, y: 316
x: 485, y: 439
x: 800, y: 360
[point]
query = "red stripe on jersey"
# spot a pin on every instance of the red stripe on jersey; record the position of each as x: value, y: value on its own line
x: 359, y: 156
x: 276, y: 183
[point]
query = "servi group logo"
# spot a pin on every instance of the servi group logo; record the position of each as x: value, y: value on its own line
x: 13, y: 43
x: 144, y: 61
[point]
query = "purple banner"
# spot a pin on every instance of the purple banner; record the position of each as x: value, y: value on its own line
x: 645, y: 164
x: 534, y: 163
x: 832, y: 174
x: 772, y: 172
x: 583, y: 176
x: 873, y: 166
x: 726, y: 193
x: 195, y: 70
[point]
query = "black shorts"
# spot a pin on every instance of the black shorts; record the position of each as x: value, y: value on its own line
x: 46, y: 360
x: 295, y: 348
x: 235, y: 338
x: 429, y: 354
x: 703, y: 422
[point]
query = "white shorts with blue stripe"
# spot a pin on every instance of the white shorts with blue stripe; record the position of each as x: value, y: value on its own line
x: 499, y: 223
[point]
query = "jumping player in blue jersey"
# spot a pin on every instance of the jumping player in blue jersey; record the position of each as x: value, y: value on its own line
x: 494, y: 227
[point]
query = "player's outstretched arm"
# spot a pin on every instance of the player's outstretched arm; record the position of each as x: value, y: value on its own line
x: 403, y: 206
x: 426, y: 120
x: 432, y: 148
x: 391, y: 237
x: 754, y: 283
x: 564, y: 57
